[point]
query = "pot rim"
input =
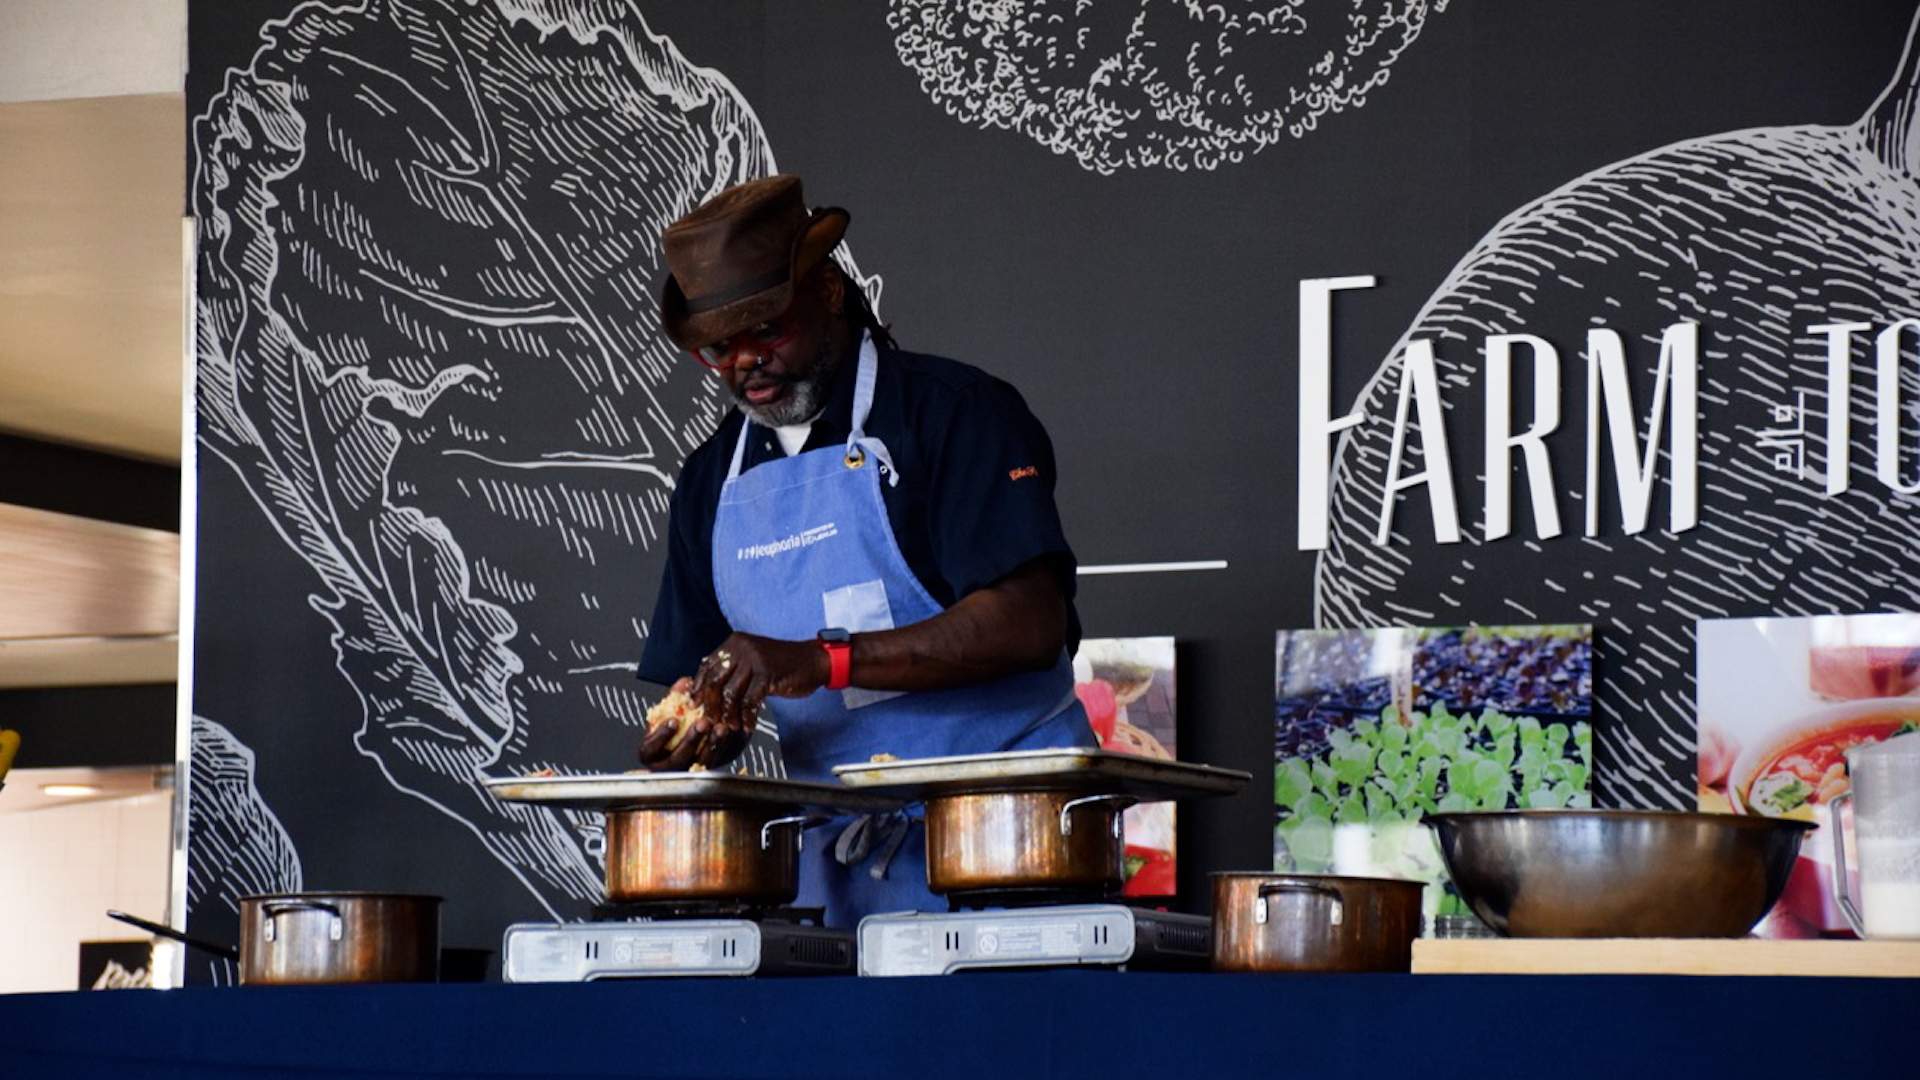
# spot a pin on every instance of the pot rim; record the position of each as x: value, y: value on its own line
x: 770, y: 809
x: 344, y: 894
x: 995, y: 788
x: 1286, y: 875
x: 1736, y: 821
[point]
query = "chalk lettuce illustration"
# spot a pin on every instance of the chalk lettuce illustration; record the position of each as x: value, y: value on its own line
x: 426, y: 345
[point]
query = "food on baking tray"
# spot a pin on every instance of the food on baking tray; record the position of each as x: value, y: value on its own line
x: 883, y: 757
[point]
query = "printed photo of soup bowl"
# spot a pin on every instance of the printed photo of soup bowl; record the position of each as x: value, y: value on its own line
x: 1794, y: 771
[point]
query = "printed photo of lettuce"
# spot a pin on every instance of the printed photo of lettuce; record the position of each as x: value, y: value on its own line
x: 1376, y: 728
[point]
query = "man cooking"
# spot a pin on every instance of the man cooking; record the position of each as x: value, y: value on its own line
x: 867, y: 548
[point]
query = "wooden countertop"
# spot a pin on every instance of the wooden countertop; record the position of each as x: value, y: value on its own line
x: 1665, y: 956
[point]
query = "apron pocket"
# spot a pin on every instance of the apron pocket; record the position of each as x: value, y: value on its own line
x: 858, y: 609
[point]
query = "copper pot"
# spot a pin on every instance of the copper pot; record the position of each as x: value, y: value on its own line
x: 339, y: 937
x: 997, y: 840
x: 1313, y: 922
x: 734, y: 852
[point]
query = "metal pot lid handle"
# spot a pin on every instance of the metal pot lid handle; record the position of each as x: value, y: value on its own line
x: 273, y: 909
x: 1120, y: 802
x: 1272, y: 887
x: 805, y: 821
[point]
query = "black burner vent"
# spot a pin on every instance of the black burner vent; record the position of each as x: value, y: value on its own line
x: 651, y: 910
x: 983, y: 899
x: 828, y: 953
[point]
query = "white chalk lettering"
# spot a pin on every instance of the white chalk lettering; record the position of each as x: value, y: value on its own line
x: 1497, y: 504
x: 1839, y: 390
x: 1787, y: 444
x: 1609, y: 393
x: 1887, y: 410
x: 1671, y: 430
x: 1317, y: 427
x: 1420, y: 385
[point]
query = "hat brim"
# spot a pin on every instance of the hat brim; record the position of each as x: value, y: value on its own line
x: 692, y: 330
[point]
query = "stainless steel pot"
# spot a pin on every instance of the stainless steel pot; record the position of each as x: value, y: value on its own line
x: 747, y: 852
x: 339, y: 937
x: 1313, y: 922
x: 1029, y: 839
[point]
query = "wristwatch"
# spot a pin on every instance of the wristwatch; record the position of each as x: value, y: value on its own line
x: 839, y: 646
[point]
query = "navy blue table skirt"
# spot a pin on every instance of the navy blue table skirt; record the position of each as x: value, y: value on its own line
x: 1069, y: 1023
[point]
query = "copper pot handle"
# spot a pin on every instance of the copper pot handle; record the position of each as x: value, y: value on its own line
x: 1260, y: 899
x: 805, y: 821
x: 1120, y: 802
x: 273, y: 909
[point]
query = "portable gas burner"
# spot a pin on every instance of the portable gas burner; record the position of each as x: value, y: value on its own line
x: 1017, y: 899
x: 1113, y: 935
x: 690, y: 837
x: 634, y: 941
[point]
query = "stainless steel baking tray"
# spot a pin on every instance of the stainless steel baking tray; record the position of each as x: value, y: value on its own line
x: 609, y: 790
x: 1149, y: 779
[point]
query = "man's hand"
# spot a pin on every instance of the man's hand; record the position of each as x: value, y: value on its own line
x: 1016, y: 624
x: 723, y: 700
x: 735, y: 678
x: 677, y: 734
x: 724, y: 695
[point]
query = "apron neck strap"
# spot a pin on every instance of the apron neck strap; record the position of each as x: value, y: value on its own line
x: 859, y: 443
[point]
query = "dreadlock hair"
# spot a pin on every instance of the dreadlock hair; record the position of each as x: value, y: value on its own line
x: 859, y: 311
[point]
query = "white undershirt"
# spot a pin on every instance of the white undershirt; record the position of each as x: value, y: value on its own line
x: 793, y: 436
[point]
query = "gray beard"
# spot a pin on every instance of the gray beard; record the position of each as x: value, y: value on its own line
x: 809, y: 395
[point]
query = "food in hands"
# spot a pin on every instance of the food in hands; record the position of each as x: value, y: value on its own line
x: 677, y: 708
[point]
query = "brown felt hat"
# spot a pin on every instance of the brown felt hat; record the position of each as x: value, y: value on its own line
x: 734, y: 260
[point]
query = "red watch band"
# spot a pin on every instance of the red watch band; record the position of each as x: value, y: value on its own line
x: 839, y: 664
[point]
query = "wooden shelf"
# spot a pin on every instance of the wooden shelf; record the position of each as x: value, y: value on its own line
x: 1665, y: 956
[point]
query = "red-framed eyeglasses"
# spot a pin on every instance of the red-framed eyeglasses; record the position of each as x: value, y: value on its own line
x: 762, y: 339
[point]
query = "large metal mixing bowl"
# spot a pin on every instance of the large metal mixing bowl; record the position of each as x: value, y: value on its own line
x: 1618, y: 873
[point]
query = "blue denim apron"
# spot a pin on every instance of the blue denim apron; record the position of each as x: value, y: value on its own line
x: 802, y: 543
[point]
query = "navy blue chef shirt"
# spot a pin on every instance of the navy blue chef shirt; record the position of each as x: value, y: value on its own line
x: 974, y: 501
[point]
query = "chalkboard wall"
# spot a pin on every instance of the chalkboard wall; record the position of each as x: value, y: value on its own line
x: 437, y: 425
